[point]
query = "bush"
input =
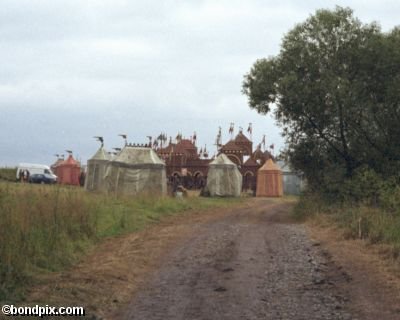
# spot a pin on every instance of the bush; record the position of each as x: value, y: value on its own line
x: 365, y: 188
x: 311, y: 204
x: 390, y: 198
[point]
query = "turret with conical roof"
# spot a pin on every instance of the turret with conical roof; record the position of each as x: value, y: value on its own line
x: 96, y: 167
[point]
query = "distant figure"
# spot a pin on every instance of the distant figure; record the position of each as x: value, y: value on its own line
x: 204, y: 192
x: 82, y: 177
x: 20, y: 176
x: 26, y: 175
x: 202, y: 183
x: 175, y: 183
x: 181, y: 192
x: 254, y: 189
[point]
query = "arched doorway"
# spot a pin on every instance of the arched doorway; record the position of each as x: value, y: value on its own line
x: 199, y: 180
x: 248, y: 181
x: 187, y: 180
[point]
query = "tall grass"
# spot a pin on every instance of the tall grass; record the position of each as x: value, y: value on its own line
x: 8, y: 174
x: 358, y: 220
x: 48, y: 228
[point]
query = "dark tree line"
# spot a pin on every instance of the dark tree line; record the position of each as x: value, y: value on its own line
x: 335, y: 90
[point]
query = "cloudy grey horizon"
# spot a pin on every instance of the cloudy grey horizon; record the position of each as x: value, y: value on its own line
x: 76, y: 69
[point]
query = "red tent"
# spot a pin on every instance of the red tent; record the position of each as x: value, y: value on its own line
x: 68, y: 171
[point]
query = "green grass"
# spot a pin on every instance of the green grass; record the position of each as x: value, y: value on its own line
x: 49, y: 228
x: 374, y: 224
x: 8, y: 174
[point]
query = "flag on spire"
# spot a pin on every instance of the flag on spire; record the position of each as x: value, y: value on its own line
x: 250, y: 129
x: 231, y: 128
x: 218, y: 139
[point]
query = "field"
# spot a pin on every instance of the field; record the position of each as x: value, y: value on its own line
x: 49, y: 228
x: 8, y: 174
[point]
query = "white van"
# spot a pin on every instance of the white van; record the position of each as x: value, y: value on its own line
x: 35, y: 169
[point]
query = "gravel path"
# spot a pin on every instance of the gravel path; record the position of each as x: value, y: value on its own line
x: 249, y: 264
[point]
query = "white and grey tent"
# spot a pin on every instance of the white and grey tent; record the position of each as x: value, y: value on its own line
x: 293, y: 182
x: 223, y: 178
x: 96, y: 168
x: 136, y: 170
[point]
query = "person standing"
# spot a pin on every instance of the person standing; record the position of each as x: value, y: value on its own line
x: 25, y: 176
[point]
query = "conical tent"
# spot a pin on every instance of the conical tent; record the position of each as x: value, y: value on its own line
x: 68, y: 171
x: 96, y: 169
x: 136, y: 170
x: 224, y: 178
x: 269, y: 180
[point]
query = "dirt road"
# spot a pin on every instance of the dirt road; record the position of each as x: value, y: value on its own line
x: 250, y: 264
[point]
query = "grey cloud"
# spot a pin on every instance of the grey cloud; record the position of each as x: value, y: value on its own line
x: 72, y: 69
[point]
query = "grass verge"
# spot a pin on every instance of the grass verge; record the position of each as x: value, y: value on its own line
x: 49, y: 228
x: 373, y: 224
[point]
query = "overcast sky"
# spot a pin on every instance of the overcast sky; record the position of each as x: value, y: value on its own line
x: 72, y: 69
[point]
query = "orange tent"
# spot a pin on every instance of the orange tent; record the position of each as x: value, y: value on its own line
x: 269, y: 180
x: 68, y: 171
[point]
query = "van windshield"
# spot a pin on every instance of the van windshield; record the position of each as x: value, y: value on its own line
x: 47, y: 171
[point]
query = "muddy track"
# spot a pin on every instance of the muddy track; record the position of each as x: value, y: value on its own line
x: 250, y: 264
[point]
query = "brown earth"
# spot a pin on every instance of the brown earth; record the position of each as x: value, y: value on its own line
x: 251, y: 262
x: 375, y: 277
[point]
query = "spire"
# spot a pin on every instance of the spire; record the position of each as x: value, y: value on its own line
x: 218, y: 139
x: 194, y: 138
x: 205, y: 152
x: 250, y: 131
x: 231, y: 130
x: 263, y: 141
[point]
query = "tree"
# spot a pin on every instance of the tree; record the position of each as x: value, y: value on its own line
x: 334, y: 91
